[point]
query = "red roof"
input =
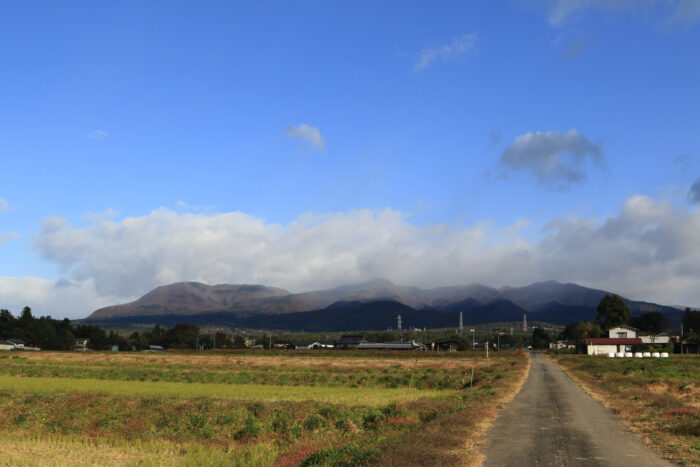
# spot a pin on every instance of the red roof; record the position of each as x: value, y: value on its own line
x: 613, y: 341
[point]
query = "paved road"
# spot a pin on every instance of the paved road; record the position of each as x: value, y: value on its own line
x: 552, y: 421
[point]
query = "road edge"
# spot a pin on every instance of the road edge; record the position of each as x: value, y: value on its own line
x: 477, y: 442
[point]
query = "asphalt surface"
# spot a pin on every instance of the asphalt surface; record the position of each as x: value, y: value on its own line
x: 552, y: 421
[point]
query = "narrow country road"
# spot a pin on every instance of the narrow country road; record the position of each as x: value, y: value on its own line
x: 553, y: 422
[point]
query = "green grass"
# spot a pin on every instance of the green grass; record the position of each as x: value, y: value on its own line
x: 350, y: 396
x: 237, y: 373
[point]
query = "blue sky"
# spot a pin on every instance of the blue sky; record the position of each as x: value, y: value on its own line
x: 430, y: 144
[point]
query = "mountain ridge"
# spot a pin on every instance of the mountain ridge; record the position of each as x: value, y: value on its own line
x: 549, y: 299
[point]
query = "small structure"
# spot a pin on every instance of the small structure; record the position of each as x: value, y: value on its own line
x: 284, y: 345
x: 81, y: 344
x: 308, y: 345
x: 350, y: 341
x: 450, y: 345
x: 18, y: 344
x: 413, y: 345
x: 6, y: 345
x: 563, y: 345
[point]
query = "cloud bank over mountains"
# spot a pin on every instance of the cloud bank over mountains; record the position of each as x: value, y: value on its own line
x: 650, y: 250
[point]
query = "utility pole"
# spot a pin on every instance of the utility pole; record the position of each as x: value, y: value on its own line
x: 461, y: 324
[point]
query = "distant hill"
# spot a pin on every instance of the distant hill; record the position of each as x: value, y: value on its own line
x: 186, y: 298
x: 370, y: 303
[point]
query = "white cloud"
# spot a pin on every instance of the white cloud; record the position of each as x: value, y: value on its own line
x: 453, y: 51
x: 561, y: 12
x: 59, y: 299
x: 4, y: 205
x: 98, y: 134
x: 311, y: 135
x: 555, y: 159
x: 650, y: 251
x: 685, y: 11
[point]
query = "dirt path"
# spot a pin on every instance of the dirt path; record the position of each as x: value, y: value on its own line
x: 553, y: 422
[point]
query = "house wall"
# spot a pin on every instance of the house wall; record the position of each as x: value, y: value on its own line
x: 614, y: 332
x: 594, y: 349
x: 655, y: 339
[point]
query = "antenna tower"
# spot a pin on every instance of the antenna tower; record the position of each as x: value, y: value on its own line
x: 398, y: 322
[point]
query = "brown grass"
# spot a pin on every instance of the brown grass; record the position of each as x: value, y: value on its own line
x: 335, y: 359
x: 453, y: 439
x: 665, y: 414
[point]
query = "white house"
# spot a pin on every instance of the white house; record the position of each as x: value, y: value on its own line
x: 5, y: 345
x: 606, y: 345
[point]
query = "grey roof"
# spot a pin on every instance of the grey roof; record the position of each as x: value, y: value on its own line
x: 386, y: 346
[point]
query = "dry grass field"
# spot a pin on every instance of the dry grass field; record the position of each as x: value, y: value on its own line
x: 657, y: 398
x: 246, y: 408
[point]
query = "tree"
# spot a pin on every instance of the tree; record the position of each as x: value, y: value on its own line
x: 653, y: 322
x: 238, y: 342
x: 612, y: 311
x: 540, y: 338
x: 691, y: 322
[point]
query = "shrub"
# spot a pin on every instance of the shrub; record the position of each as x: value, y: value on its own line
x: 313, y: 423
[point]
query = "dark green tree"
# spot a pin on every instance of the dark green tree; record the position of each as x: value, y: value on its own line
x: 540, y: 338
x: 238, y: 342
x: 612, y: 311
x: 691, y: 322
x: 653, y: 322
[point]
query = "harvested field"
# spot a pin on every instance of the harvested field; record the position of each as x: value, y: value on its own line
x: 288, y: 408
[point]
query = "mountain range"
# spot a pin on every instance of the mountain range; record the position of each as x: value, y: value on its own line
x: 369, y: 305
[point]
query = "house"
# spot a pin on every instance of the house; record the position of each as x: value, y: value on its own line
x: 350, y: 341
x: 6, y: 345
x: 18, y: 343
x: 450, y: 345
x: 282, y: 345
x: 622, y: 338
x: 606, y: 345
x: 308, y: 345
x: 658, y: 339
x: 562, y: 345
x: 81, y: 344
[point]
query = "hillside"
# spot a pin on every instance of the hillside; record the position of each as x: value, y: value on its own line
x: 262, y: 306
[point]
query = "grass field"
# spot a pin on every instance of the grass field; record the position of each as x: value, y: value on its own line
x: 246, y: 408
x: 657, y: 398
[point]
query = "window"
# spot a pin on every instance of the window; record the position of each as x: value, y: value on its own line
x: 621, y: 335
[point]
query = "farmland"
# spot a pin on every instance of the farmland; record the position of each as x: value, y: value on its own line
x: 659, y: 399
x: 248, y: 408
